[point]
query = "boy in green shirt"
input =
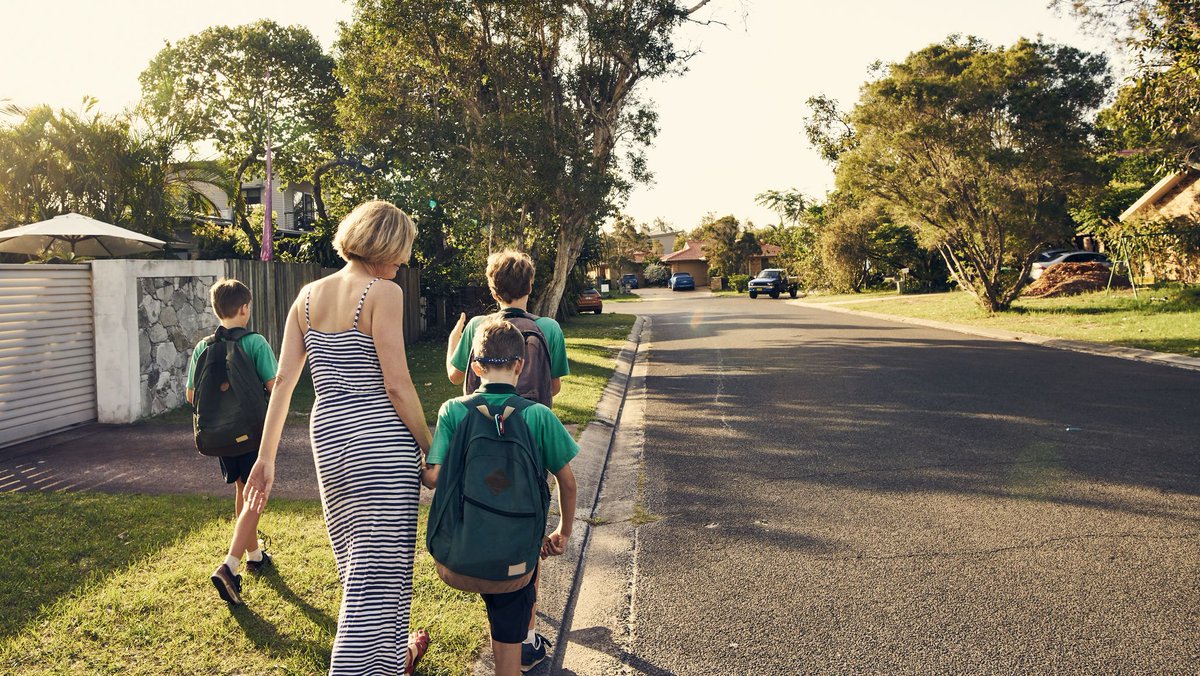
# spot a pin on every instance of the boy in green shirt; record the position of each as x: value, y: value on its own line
x: 510, y: 279
x: 499, y: 349
x: 231, y: 303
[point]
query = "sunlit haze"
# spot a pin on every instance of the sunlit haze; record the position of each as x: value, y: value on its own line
x: 729, y: 129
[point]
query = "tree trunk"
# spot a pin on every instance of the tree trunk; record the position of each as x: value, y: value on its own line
x: 570, y: 245
x: 239, y: 205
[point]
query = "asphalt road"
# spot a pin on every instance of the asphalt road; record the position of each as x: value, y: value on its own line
x: 843, y: 494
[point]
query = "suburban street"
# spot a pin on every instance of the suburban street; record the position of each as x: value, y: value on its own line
x: 842, y: 494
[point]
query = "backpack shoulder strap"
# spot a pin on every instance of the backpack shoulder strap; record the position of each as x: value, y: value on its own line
x: 518, y: 313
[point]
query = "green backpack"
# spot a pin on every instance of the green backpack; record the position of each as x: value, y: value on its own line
x: 488, y: 516
x: 230, y: 403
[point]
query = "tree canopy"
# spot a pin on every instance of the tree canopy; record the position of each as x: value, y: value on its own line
x: 229, y: 85
x: 979, y: 148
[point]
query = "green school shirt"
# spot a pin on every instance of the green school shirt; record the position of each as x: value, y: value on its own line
x: 550, y: 329
x: 254, y: 345
x: 552, y: 439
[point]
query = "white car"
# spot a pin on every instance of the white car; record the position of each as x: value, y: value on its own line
x: 1044, y: 261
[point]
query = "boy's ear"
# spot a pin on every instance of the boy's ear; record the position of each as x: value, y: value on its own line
x: 245, y: 309
x: 520, y: 366
x: 477, y: 368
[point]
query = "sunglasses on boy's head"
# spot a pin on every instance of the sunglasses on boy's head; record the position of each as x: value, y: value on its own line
x: 496, y: 361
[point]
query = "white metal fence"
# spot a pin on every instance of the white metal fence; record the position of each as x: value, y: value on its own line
x: 47, y: 350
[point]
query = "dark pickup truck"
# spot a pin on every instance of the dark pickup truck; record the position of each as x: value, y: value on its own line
x: 773, y: 282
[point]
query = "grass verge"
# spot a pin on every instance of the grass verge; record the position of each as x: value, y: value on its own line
x: 1165, y: 319
x: 119, y: 584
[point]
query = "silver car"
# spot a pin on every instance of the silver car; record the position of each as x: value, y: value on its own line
x: 1044, y: 261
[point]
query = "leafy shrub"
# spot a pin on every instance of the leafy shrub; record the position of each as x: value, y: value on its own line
x: 739, y: 282
x: 656, y: 274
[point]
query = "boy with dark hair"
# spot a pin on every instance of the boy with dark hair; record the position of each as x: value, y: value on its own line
x: 231, y: 303
x: 498, y: 357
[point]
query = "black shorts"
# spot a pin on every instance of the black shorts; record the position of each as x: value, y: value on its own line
x: 508, y: 614
x: 237, y: 467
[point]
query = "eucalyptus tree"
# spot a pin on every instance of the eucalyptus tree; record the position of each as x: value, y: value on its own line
x: 515, y: 113
x: 233, y: 86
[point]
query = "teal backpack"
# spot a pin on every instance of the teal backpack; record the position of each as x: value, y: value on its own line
x: 488, y: 516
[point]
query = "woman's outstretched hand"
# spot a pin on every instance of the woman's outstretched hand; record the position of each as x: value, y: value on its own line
x: 258, y: 485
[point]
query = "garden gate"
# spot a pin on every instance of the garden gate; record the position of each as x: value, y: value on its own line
x: 47, y: 350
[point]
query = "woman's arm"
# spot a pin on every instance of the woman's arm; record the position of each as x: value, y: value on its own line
x: 387, y: 330
x: 291, y: 365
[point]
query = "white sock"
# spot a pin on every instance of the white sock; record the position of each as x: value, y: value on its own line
x: 255, y: 555
x: 529, y: 638
x: 233, y: 563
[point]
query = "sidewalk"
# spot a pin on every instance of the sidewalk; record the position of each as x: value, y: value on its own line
x: 1100, y: 349
x: 143, y: 458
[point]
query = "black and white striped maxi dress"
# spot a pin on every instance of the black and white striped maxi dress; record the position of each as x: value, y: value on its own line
x: 368, y: 470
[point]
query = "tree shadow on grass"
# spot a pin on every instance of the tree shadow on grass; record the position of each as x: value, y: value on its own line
x: 57, y: 543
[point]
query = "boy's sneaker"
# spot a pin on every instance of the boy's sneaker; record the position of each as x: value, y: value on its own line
x: 228, y: 585
x: 257, y: 567
x: 532, y: 654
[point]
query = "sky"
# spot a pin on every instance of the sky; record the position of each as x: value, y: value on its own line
x: 730, y: 128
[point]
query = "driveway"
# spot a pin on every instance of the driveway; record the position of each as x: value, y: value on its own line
x: 844, y: 494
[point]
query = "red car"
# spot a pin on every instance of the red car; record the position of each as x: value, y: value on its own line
x: 589, y: 300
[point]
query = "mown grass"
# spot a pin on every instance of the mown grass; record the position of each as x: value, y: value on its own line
x: 95, y: 583
x: 1165, y: 319
x: 819, y: 297
x: 593, y: 342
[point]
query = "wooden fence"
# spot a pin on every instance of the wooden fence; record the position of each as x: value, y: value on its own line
x: 275, y: 286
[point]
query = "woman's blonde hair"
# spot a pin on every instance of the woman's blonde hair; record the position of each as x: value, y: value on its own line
x: 375, y: 232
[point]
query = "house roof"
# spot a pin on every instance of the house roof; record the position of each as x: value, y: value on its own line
x: 770, y: 250
x: 1166, y: 185
x: 692, y: 251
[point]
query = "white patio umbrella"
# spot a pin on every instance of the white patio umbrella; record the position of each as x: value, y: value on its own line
x: 84, y: 236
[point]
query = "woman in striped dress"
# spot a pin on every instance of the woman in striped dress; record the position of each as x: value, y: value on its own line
x: 368, y: 435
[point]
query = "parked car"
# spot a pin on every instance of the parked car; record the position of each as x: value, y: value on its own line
x: 590, y: 301
x: 1039, y: 266
x: 629, y: 280
x: 680, y: 281
x: 773, y: 281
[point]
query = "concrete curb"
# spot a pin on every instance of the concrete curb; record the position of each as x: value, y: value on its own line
x: 1119, y: 352
x: 561, y: 577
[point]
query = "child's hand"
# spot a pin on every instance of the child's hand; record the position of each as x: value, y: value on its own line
x: 457, y: 331
x: 555, y: 545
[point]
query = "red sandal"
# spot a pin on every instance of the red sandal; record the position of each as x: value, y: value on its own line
x: 418, y: 645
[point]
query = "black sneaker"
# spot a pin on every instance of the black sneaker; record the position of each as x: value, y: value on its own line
x: 228, y: 585
x: 532, y: 654
x: 257, y: 567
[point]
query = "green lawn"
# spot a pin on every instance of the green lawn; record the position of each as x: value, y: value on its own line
x: 1166, y: 319
x: 843, y: 297
x: 593, y: 342
x: 119, y: 584
x: 618, y: 297
x: 97, y: 583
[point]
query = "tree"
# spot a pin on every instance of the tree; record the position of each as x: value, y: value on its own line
x: 229, y: 85
x: 980, y: 148
x: 800, y: 222
x: 1163, y: 100
x: 726, y: 244
x: 101, y: 166
x: 515, y: 110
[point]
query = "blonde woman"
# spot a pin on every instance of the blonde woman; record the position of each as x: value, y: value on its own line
x: 368, y: 435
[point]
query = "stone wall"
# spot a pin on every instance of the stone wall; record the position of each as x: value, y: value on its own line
x: 173, y: 315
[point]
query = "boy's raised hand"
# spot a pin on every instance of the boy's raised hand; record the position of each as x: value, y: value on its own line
x: 258, y: 485
x: 457, y: 331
